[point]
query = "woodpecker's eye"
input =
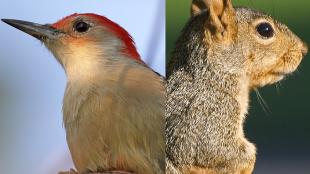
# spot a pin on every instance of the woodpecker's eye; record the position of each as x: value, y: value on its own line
x: 265, y: 30
x: 81, y: 27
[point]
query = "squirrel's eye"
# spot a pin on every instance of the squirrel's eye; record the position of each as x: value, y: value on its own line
x: 265, y: 30
x: 81, y: 27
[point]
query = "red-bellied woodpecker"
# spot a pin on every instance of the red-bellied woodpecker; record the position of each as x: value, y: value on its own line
x: 113, y: 108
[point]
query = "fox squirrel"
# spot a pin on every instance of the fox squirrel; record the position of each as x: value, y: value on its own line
x: 222, y: 54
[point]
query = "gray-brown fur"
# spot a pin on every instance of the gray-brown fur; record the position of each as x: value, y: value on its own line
x: 208, y: 85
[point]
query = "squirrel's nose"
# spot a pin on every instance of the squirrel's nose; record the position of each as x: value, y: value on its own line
x: 304, y: 49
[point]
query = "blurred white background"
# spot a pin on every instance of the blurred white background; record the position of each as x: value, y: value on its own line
x: 32, y: 83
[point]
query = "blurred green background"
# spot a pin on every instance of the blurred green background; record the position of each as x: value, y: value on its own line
x: 282, y: 136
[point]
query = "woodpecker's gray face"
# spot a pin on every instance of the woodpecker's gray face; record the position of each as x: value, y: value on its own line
x: 41, y: 32
x: 81, y: 38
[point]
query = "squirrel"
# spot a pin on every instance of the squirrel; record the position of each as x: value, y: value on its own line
x: 222, y: 54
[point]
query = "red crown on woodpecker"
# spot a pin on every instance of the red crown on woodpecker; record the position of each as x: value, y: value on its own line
x: 53, y: 31
x: 117, y: 30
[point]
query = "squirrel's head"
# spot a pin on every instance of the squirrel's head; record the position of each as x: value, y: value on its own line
x: 245, y: 40
x: 270, y: 48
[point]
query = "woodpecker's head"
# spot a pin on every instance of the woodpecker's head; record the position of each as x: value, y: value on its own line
x: 81, y: 38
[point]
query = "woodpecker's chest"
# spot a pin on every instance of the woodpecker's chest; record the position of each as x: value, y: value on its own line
x: 74, y: 97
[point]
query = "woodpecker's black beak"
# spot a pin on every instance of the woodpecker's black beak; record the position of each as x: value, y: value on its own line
x: 38, y: 31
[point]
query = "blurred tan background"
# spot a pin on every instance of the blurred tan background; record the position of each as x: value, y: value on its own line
x: 283, y: 135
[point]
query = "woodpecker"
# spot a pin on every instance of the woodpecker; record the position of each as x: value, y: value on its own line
x: 113, y: 106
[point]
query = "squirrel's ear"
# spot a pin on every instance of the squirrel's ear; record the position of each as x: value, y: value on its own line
x: 200, y: 5
x: 197, y: 7
x: 222, y: 17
